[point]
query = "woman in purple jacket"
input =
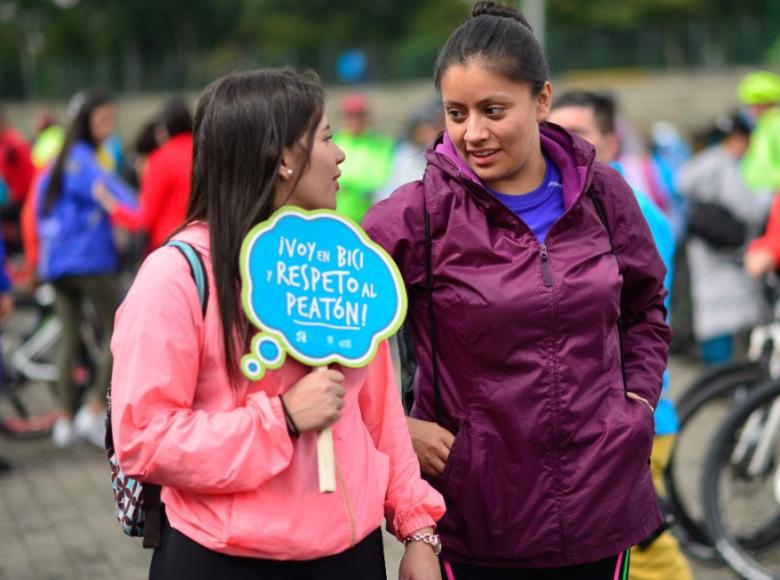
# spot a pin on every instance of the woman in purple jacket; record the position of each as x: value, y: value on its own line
x: 538, y: 323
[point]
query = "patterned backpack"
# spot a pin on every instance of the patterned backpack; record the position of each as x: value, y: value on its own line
x: 137, y: 503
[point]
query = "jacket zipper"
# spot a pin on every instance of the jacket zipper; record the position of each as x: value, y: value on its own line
x: 347, y: 504
x: 545, y: 256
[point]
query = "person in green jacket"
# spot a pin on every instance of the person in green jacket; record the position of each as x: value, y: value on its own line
x: 369, y: 158
x: 760, y: 92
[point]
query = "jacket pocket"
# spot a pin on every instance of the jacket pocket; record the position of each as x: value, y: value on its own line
x: 644, y: 421
x: 648, y: 410
x: 456, y: 467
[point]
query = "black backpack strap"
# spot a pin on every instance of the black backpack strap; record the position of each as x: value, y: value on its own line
x: 408, y: 367
x: 603, y: 217
x: 151, y: 492
x: 406, y: 348
x: 431, y: 311
x: 152, y: 515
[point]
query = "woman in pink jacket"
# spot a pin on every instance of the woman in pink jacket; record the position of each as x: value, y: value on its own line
x: 236, y: 458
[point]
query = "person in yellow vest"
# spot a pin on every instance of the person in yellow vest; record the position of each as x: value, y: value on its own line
x: 369, y: 158
x: 759, y: 91
x: 49, y: 137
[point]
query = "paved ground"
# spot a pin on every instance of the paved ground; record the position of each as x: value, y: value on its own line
x: 57, y: 523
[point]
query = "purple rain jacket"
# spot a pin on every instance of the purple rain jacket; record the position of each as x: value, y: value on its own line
x: 550, y: 464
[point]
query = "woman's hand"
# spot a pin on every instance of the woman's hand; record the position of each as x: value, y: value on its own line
x: 759, y: 262
x: 316, y: 401
x: 103, y: 196
x: 642, y: 400
x: 432, y: 444
x: 419, y: 563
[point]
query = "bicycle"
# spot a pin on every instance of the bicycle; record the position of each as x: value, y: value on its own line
x: 720, y: 386
x: 741, y: 486
x: 715, y: 391
x: 29, y: 404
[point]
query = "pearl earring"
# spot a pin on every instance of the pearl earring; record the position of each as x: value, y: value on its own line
x: 289, y: 172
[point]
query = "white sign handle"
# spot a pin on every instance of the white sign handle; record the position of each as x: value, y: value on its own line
x: 326, y: 461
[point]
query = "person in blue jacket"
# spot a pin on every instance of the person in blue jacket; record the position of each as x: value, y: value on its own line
x: 592, y: 116
x: 78, y: 257
x: 6, y: 306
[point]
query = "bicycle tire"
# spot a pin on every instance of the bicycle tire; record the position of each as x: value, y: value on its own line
x: 713, y: 384
x: 691, y: 395
x: 27, y: 414
x: 733, y: 550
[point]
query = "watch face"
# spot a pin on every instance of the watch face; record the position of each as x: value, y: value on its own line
x: 437, y: 546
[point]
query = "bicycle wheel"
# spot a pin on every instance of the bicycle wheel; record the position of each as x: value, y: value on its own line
x: 29, y: 403
x: 740, y: 487
x: 700, y: 410
x: 693, y: 394
x: 28, y: 410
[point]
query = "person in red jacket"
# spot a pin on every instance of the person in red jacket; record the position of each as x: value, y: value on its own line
x: 17, y: 171
x: 165, y: 186
x: 16, y: 167
x: 763, y: 254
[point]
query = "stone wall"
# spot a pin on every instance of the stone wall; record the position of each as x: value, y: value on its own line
x: 689, y: 99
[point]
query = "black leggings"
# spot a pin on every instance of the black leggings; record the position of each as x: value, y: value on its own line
x: 607, y: 569
x: 179, y: 557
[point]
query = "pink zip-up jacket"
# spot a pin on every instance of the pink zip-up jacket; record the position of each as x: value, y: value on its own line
x: 233, y: 479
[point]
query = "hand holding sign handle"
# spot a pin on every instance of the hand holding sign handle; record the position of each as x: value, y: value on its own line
x: 314, y: 403
x: 326, y: 462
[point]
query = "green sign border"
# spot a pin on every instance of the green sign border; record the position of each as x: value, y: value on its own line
x: 247, y: 286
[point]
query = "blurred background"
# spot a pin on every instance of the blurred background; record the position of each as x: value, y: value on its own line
x: 693, y: 123
x: 676, y: 58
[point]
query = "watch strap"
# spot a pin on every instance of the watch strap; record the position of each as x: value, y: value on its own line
x: 431, y: 539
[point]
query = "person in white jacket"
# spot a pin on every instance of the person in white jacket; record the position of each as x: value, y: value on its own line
x: 725, y: 298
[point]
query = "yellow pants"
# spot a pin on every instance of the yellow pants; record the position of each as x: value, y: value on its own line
x: 661, y: 560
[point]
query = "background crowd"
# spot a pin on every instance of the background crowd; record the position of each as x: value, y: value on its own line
x: 82, y: 206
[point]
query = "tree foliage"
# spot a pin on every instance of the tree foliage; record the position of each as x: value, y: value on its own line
x: 48, y: 45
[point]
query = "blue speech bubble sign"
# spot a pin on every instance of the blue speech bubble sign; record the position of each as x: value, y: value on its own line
x: 318, y: 289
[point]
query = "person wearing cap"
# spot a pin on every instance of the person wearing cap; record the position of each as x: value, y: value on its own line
x: 369, y: 158
x: 760, y: 92
x: 763, y: 255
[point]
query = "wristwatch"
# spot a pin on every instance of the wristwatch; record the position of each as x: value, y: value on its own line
x: 432, y: 540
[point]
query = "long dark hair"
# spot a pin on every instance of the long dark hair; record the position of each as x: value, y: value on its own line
x: 243, y: 122
x: 82, y: 105
x: 502, y: 38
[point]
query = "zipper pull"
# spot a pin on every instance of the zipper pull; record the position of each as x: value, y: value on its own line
x: 545, y: 270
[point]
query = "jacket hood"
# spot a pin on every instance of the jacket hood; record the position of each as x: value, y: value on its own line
x: 572, y: 155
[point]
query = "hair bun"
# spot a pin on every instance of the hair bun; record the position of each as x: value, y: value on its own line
x: 499, y: 10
